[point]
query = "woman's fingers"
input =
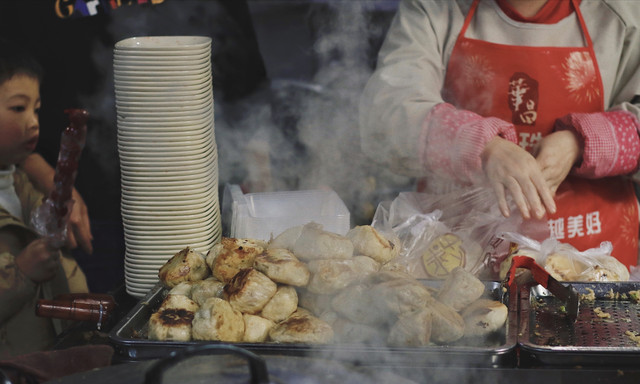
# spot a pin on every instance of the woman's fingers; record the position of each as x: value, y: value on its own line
x: 546, y: 193
x: 498, y: 188
x: 510, y: 168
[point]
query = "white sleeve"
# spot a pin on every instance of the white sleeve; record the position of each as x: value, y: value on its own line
x: 407, y: 82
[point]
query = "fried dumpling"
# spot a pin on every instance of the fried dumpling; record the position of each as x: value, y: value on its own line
x: 205, y: 289
x: 217, y: 320
x: 185, y: 265
x: 281, y: 266
x: 460, y: 289
x: 302, y: 327
x: 283, y: 303
x: 412, y: 329
x: 230, y: 255
x: 315, y: 243
x: 249, y: 291
x: 370, y: 242
x: 256, y: 328
x: 172, y: 324
x: 483, y: 317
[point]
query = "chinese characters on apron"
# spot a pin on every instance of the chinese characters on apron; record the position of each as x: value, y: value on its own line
x: 532, y: 87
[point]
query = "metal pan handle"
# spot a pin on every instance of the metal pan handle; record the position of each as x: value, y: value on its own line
x: 257, y: 365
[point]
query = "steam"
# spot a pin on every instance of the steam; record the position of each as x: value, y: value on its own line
x: 327, y: 114
x: 318, y: 144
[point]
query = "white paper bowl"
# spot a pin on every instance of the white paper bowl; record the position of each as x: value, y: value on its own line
x: 128, y: 88
x: 167, y: 188
x: 164, y: 43
x: 137, y: 293
x: 150, y: 233
x: 161, y: 55
x: 141, y: 278
x: 144, y: 265
x: 159, y: 248
x: 148, y: 152
x: 159, y: 89
x: 140, y: 135
x: 189, y: 110
x: 135, y: 130
x: 140, y: 283
x: 200, y: 182
x: 134, y: 211
x: 144, y: 201
x: 172, y: 247
x: 160, y: 82
x: 141, y: 234
x: 193, y: 120
x: 155, y: 146
x: 179, y: 150
x: 169, y: 223
x: 176, y: 223
x: 158, y: 58
x: 166, y: 240
x: 167, y: 185
x: 164, y: 100
x: 146, y: 67
x: 142, y: 168
x: 124, y: 61
x: 140, y: 251
x: 187, y: 193
x: 166, y: 103
x: 205, y: 181
x: 185, y: 205
x: 162, y: 79
x: 202, y: 114
x: 150, y: 94
x: 177, y: 127
x: 168, y: 73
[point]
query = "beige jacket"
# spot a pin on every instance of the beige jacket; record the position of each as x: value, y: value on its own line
x: 21, y: 331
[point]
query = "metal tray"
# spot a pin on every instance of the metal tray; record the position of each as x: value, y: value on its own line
x: 547, y: 338
x: 128, y: 338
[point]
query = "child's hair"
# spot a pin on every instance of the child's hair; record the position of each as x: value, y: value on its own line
x: 15, y: 60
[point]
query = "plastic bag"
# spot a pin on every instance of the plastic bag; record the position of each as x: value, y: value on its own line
x: 441, y: 232
x: 564, y: 262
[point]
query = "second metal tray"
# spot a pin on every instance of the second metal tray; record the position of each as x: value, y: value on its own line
x: 603, y: 334
x: 131, y: 344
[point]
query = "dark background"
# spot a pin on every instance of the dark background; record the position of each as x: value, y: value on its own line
x: 264, y: 54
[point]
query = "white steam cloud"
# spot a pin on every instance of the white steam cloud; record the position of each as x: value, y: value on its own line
x: 318, y: 145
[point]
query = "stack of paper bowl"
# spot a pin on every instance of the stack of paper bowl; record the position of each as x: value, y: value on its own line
x: 167, y: 149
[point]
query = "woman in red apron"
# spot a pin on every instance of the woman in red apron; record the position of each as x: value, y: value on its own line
x: 529, y: 89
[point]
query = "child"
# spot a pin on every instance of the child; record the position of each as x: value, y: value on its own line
x: 30, y: 269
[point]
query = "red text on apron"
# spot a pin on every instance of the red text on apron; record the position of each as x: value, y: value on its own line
x: 531, y: 87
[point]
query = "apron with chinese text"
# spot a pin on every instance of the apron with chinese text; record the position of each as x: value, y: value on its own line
x: 532, y: 87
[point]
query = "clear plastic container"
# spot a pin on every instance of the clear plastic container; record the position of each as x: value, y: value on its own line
x: 268, y: 214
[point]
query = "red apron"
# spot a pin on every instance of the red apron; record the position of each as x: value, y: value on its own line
x: 532, y: 87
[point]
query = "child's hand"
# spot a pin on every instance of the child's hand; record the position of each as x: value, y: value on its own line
x: 39, y: 261
x: 79, y: 230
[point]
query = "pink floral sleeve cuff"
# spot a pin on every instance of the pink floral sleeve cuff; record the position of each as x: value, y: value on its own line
x: 611, y: 142
x: 452, y: 141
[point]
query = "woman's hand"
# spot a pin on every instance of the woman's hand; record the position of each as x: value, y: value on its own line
x: 39, y: 261
x: 557, y: 154
x: 510, y: 168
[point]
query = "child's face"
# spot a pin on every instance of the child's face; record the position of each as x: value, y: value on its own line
x: 19, y: 126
